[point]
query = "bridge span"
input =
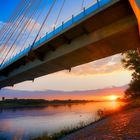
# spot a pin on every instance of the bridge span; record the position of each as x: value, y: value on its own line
x: 102, y: 30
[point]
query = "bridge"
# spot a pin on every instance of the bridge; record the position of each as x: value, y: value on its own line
x: 104, y: 28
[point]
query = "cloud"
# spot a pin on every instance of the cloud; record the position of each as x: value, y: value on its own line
x: 102, y: 66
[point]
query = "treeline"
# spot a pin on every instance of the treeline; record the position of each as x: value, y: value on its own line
x: 35, y: 102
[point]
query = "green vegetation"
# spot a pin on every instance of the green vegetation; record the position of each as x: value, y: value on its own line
x: 60, y: 134
x: 56, y: 136
x: 131, y: 61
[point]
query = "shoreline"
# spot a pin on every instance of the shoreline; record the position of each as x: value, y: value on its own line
x: 129, y: 108
x: 65, y: 134
x: 97, y: 131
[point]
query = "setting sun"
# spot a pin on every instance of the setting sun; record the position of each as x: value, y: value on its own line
x: 112, y: 97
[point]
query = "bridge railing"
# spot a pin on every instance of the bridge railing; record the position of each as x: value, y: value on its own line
x: 75, y: 18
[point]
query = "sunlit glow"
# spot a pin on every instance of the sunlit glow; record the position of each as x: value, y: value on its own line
x: 113, y: 97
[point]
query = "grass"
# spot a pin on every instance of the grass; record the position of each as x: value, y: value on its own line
x: 66, y: 131
x: 60, y: 134
x: 69, y: 130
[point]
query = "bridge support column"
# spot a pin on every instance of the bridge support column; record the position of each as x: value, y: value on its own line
x: 135, y: 4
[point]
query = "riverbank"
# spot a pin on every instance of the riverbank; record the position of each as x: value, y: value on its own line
x: 123, y: 125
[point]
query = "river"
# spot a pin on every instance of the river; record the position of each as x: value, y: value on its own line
x: 20, y: 124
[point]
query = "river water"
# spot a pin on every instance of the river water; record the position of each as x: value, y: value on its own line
x: 20, y: 124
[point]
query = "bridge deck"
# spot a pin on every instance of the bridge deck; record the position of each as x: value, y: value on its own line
x: 105, y: 31
x: 64, y: 27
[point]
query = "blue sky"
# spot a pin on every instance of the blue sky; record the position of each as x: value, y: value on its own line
x: 103, y: 73
x: 6, y: 8
x: 70, y: 7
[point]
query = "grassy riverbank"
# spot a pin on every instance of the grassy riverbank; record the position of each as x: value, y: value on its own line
x: 64, y: 132
x: 123, y: 124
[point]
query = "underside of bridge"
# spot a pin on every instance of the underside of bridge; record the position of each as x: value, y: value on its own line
x: 110, y: 30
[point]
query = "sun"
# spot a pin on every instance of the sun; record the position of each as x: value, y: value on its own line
x: 113, y: 97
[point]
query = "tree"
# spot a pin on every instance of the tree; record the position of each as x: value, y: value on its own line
x: 131, y: 61
x: 3, y: 98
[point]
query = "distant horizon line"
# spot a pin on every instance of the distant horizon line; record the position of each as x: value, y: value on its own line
x: 64, y: 90
x: 103, y: 100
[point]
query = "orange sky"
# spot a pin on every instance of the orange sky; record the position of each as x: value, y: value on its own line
x: 97, y: 94
x: 103, y: 94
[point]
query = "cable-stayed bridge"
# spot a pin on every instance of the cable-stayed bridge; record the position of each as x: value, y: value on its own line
x: 29, y: 49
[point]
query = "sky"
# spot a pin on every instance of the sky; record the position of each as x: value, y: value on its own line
x: 96, y: 94
x: 100, y: 74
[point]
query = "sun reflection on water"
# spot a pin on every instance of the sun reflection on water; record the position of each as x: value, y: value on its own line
x: 50, y: 119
